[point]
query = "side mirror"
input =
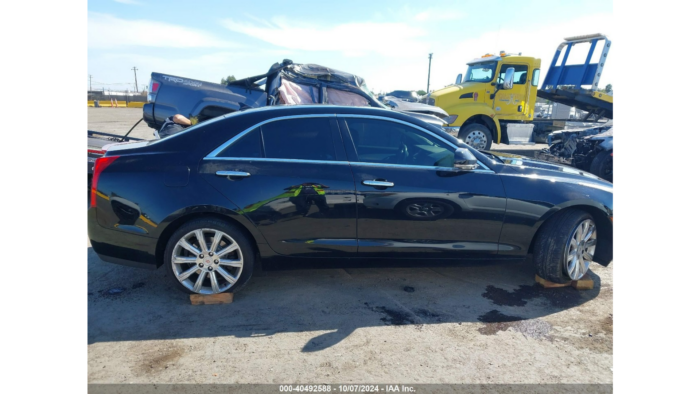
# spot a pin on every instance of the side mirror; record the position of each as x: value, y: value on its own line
x: 459, y: 79
x: 508, y: 80
x: 465, y: 160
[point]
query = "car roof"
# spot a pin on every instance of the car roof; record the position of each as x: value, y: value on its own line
x: 310, y: 109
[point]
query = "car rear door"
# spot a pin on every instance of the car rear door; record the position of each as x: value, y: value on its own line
x: 291, y: 177
x: 411, y: 201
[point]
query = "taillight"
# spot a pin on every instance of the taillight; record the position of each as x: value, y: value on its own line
x: 100, y: 165
x: 152, y: 91
x: 96, y: 151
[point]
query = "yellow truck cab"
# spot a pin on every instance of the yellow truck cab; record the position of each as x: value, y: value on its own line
x: 497, y: 92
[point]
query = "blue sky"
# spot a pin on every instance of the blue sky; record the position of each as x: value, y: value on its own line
x: 386, y: 42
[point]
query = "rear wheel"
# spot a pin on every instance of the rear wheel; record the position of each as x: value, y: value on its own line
x: 565, y: 246
x: 209, y: 256
x: 602, y: 165
x: 477, y: 136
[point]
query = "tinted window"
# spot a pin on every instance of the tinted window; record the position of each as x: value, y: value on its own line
x: 379, y: 141
x: 520, y: 73
x: 247, y: 146
x: 305, y: 139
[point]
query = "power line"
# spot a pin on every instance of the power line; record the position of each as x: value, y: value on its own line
x: 136, y: 83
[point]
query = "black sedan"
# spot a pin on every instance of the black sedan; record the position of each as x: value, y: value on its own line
x: 325, y: 182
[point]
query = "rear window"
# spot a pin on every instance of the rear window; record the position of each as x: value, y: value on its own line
x: 302, y: 139
x: 249, y: 145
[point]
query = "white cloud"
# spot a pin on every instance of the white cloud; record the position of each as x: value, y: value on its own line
x: 351, y: 39
x: 131, y: 2
x: 106, y: 31
x: 437, y: 15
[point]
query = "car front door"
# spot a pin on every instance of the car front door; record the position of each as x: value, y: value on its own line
x: 412, y: 203
x: 512, y: 102
x: 290, y: 177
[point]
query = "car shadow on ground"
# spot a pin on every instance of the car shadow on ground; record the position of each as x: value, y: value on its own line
x: 128, y: 304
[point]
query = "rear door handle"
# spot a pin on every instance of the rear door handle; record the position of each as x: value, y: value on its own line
x: 233, y: 173
x: 376, y: 183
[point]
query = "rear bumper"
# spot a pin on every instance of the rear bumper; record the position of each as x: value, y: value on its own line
x: 120, y: 247
x: 148, y: 115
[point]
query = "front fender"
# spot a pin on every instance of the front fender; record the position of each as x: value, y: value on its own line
x: 467, y: 111
x: 533, y: 200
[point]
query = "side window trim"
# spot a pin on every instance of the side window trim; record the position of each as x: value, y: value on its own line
x: 213, y: 154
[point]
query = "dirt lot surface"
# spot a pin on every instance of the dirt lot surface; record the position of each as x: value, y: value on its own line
x: 366, y: 323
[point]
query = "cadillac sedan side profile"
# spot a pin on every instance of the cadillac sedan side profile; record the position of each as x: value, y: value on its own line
x: 325, y: 182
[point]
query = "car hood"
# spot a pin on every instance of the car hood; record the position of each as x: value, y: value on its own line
x: 432, y: 119
x: 541, y: 168
x: 405, y: 106
x: 602, y: 136
x: 466, y: 87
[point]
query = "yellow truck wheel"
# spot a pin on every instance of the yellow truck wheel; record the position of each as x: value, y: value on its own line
x: 477, y: 136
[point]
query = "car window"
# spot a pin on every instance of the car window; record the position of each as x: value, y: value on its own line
x: 247, y: 146
x: 380, y: 141
x: 520, y: 73
x: 303, y: 139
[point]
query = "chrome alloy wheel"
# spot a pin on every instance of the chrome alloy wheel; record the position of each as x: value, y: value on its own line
x: 425, y: 209
x: 207, y: 261
x: 580, y: 249
x: 476, y: 139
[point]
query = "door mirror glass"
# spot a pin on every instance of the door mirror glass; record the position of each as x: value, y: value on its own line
x: 508, y: 79
x: 465, y: 160
x: 459, y: 79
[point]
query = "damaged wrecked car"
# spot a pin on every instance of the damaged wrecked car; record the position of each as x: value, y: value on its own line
x: 287, y: 83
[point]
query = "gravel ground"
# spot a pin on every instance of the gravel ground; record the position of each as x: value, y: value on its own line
x: 367, y: 323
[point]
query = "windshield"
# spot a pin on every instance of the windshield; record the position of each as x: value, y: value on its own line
x: 481, y: 72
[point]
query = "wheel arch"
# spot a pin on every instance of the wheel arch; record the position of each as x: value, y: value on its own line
x: 604, y: 227
x: 488, y: 122
x: 234, y: 219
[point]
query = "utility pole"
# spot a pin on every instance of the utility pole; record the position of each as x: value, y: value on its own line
x: 430, y: 61
x: 136, y: 83
x: 91, y: 82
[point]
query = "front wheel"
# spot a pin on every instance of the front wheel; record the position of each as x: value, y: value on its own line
x: 602, y: 165
x: 209, y: 256
x: 565, y: 246
x: 476, y: 135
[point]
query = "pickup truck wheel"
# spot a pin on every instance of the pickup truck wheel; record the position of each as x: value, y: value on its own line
x: 477, y: 136
x: 565, y: 246
x: 209, y: 256
x: 602, y: 165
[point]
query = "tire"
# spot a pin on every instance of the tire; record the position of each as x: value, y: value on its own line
x: 238, y: 276
x: 425, y: 210
x: 552, y: 246
x: 602, y: 165
x: 470, y: 135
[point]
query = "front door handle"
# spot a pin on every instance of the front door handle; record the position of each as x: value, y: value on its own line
x: 233, y: 173
x: 376, y: 183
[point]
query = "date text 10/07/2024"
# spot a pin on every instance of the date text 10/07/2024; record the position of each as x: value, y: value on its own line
x: 348, y: 388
